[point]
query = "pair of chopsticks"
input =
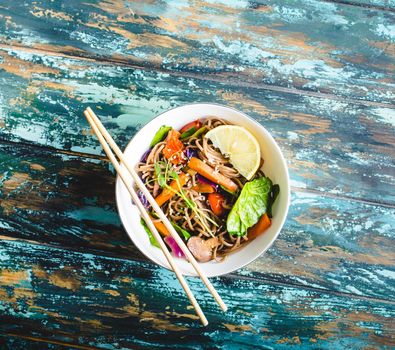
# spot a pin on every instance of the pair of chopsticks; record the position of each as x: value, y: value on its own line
x: 108, y: 143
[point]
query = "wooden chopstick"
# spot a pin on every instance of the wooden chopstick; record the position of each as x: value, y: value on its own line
x: 158, y: 210
x: 124, y: 176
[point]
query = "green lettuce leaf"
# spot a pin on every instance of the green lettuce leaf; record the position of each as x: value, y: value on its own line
x: 252, y: 203
x: 160, y: 135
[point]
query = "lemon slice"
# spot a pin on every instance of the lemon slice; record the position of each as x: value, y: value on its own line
x: 239, y: 145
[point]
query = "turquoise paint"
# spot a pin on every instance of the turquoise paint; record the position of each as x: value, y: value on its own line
x: 335, y: 34
x: 327, y: 280
x: 242, y: 296
x: 102, y: 215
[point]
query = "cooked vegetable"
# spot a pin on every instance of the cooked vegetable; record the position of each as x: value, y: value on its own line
x: 256, y: 230
x: 143, y: 199
x: 250, y: 206
x: 175, y: 249
x: 180, y: 230
x: 190, y: 152
x: 175, y: 186
x: 233, y: 193
x: 216, y: 200
x: 173, y: 150
x: 160, y: 226
x: 273, y: 195
x: 208, y: 172
x: 202, y: 179
x: 197, y: 124
x: 203, y: 188
x: 145, y: 155
x: 202, y: 249
x: 160, y: 135
x: 198, y: 132
x: 149, y: 233
x: 188, y: 133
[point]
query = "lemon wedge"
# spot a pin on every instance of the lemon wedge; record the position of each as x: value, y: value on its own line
x: 239, y: 145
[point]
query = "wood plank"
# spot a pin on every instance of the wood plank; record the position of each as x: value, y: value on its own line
x: 53, y: 199
x: 332, y: 146
x: 23, y: 342
x: 86, y: 299
x: 310, y: 45
x: 385, y: 5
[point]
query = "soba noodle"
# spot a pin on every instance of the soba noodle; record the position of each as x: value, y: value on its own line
x: 176, y: 209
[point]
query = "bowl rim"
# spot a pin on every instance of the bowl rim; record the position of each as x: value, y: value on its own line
x: 288, y: 193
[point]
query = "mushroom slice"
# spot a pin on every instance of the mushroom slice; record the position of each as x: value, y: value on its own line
x: 202, y: 249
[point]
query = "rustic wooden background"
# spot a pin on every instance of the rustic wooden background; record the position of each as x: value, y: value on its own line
x: 319, y: 75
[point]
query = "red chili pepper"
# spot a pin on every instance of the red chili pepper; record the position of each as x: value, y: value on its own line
x: 215, y: 200
x: 196, y: 123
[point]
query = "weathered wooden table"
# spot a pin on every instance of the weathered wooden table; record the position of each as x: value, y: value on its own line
x: 319, y: 75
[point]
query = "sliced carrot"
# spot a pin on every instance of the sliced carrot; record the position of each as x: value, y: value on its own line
x: 203, y: 188
x: 208, y: 172
x: 256, y: 230
x: 160, y: 226
x: 216, y: 200
x: 167, y: 193
x: 174, y: 147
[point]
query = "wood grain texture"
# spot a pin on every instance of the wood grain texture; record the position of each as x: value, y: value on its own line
x: 332, y: 146
x: 54, y: 200
x: 386, y: 5
x: 16, y: 342
x: 112, y: 303
x: 310, y: 45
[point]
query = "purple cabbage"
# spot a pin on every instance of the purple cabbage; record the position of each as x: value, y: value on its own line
x: 204, y: 180
x: 190, y: 152
x: 175, y: 249
x: 145, y: 155
x: 143, y: 199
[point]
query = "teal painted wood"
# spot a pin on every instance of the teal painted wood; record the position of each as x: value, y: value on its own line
x: 67, y: 201
x: 380, y: 4
x: 81, y: 298
x: 310, y: 45
x: 332, y: 146
x: 17, y: 343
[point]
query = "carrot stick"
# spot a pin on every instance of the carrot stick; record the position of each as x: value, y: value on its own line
x: 256, y: 230
x: 160, y: 226
x: 167, y: 193
x: 203, y: 188
x: 208, y: 172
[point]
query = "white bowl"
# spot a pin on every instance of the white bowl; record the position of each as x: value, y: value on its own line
x: 274, y: 167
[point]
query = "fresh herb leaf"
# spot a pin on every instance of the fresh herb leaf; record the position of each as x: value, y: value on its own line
x: 157, y: 169
x: 181, y: 231
x: 273, y: 195
x: 160, y: 135
x: 151, y: 237
x: 159, y: 176
x: 173, y: 175
x: 250, y: 206
x: 188, y: 133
